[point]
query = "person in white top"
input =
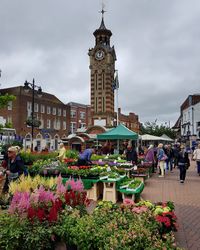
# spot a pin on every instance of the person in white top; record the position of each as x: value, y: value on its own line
x: 196, y: 157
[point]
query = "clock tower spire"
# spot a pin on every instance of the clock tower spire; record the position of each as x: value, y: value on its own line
x: 102, y: 69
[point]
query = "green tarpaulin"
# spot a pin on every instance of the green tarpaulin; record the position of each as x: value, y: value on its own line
x: 120, y: 132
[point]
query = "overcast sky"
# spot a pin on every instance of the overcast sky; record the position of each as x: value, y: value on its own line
x: 157, y: 43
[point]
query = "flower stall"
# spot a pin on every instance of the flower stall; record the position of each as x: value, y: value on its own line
x: 45, y: 218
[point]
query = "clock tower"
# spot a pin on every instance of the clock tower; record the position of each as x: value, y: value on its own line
x: 102, y: 69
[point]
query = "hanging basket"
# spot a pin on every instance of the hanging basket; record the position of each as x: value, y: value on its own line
x: 34, y: 122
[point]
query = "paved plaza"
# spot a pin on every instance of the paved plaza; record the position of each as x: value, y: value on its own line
x: 187, y: 202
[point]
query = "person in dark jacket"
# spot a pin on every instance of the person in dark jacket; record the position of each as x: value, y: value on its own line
x: 183, y: 163
x: 176, y: 151
x: 131, y: 154
x: 15, y: 164
x: 85, y: 157
x: 170, y: 155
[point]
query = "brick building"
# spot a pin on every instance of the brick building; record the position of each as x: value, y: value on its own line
x: 79, y: 116
x: 131, y: 121
x: 53, y: 114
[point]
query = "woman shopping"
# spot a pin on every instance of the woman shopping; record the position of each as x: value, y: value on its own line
x: 161, y: 159
x: 183, y: 163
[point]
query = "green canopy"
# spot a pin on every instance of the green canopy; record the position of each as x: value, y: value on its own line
x: 120, y: 132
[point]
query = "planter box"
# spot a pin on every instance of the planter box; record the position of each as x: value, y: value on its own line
x: 109, y: 192
x: 95, y: 192
x: 133, y: 190
x: 141, y: 177
x: 103, y: 177
x: 125, y: 186
x: 128, y: 196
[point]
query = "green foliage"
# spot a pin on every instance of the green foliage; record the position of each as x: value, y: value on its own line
x: 108, y: 227
x: 153, y: 128
x: 8, y: 125
x: 72, y: 154
x: 29, y: 158
x: 4, y: 99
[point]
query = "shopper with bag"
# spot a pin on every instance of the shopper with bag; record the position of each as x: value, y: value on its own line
x: 161, y: 159
x: 183, y: 163
x: 196, y: 157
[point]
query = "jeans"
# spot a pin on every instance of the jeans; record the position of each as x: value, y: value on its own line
x: 182, y: 172
x: 198, y: 167
x: 169, y: 163
x: 162, y: 166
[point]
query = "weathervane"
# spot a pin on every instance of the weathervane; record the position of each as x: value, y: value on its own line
x: 102, y: 11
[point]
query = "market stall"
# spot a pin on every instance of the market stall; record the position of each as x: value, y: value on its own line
x: 121, y: 132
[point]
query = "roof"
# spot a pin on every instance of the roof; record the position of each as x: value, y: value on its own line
x: 166, y: 137
x: 103, y: 29
x: 148, y: 137
x: 17, y: 90
x: 177, y: 124
x: 120, y: 132
x: 76, y: 104
x: 190, y: 101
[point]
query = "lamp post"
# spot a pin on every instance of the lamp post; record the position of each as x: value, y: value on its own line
x: 33, y: 122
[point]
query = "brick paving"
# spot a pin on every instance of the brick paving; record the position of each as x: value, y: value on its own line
x: 187, y: 203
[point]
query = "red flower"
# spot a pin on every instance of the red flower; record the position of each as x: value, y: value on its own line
x: 31, y: 213
x: 58, y: 204
x: 53, y: 214
x: 41, y: 214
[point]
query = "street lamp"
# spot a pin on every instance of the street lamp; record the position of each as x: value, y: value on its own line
x: 32, y: 121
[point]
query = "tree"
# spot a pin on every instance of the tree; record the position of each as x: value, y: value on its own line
x: 153, y: 128
x: 5, y: 99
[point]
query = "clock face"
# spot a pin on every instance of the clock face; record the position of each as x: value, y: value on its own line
x: 99, y: 55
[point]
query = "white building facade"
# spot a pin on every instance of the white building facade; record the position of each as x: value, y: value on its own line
x: 190, y: 118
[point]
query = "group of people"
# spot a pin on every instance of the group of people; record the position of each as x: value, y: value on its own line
x: 163, y: 158
x: 166, y: 158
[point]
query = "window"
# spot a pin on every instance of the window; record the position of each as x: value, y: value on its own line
x: 29, y: 106
x: 54, y: 111
x: 82, y: 125
x: 48, y: 123
x: 36, y: 107
x: 58, y: 125
x: 73, y: 113
x: 9, y: 119
x: 48, y: 110
x: 29, y: 109
x: 42, y: 124
x: 82, y: 115
x: 10, y: 105
x: 64, y: 112
x: 59, y: 112
x: 64, y: 125
x: 73, y: 127
x: 42, y: 109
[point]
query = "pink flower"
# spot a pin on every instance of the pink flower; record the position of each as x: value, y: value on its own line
x: 20, y: 203
x: 127, y: 201
x: 59, y: 180
x: 75, y: 185
x: 61, y: 189
x: 41, y: 195
x: 139, y: 210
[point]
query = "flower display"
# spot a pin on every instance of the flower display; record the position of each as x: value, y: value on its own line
x: 45, y: 204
